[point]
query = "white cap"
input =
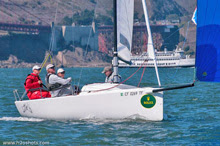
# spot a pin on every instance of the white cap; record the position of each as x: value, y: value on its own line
x: 50, y: 66
x: 108, y: 68
x: 60, y: 70
x: 36, y: 67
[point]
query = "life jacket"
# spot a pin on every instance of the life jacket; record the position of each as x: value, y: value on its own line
x: 51, y: 87
x: 28, y: 78
x: 33, y: 78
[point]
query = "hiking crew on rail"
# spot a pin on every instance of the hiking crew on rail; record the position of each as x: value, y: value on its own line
x: 34, y: 86
x: 57, y: 85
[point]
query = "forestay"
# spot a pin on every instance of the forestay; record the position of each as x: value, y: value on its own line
x: 125, y: 14
x: 150, y: 47
x: 208, y: 41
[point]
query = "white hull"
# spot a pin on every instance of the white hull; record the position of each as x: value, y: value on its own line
x: 118, y: 103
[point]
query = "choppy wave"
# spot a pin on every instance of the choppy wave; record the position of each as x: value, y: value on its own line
x: 21, y: 119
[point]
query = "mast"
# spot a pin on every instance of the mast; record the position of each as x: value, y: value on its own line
x: 115, y: 56
x: 150, y: 40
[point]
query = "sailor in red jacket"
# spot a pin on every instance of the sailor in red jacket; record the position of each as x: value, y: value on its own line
x: 33, y: 81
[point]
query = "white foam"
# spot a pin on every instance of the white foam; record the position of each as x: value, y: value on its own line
x: 21, y: 119
x: 97, y: 121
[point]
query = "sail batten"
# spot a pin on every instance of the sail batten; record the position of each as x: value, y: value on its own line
x: 125, y: 14
x: 208, y: 41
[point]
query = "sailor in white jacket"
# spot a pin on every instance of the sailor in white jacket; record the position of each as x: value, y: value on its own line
x: 109, y: 75
x: 57, y: 85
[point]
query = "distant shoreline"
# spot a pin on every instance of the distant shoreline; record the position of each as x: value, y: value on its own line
x: 13, y: 62
x: 14, y: 66
x: 30, y: 65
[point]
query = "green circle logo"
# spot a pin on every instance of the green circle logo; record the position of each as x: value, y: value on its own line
x: 148, y: 101
x: 204, y: 74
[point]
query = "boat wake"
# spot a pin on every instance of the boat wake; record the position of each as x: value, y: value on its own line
x: 90, y: 119
x: 23, y: 119
x: 98, y: 121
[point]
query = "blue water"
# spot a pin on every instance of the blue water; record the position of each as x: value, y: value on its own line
x: 191, y: 115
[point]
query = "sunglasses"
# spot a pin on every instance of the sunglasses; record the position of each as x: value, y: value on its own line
x: 52, y: 68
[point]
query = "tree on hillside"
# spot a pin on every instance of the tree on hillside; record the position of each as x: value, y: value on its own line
x: 86, y: 18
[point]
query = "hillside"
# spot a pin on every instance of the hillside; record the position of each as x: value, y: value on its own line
x: 44, y: 11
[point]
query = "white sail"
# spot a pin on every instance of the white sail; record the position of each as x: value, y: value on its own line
x: 125, y: 14
x: 150, y: 49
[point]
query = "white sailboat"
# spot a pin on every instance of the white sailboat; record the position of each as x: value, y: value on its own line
x: 106, y: 100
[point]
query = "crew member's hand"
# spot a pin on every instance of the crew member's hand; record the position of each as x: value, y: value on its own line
x: 69, y: 79
x: 40, y: 82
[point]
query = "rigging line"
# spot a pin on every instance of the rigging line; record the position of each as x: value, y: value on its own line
x: 144, y: 53
x: 142, y: 76
x: 53, y: 31
x: 122, y: 81
x: 55, y: 19
x: 51, y: 40
x: 87, y: 45
x: 44, y: 62
x: 54, y: 35
x: 176, y: 30
x: 186, y: 34
x: 29, y: 12
x: 136, y: 58
x: 164, y: 40
x: 50, y: 55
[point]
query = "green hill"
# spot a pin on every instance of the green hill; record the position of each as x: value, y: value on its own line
x: 35, y: 11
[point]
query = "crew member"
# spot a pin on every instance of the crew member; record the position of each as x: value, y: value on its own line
x: 61, y: 73
x: 75, y: 89
x: 109, y: 75
x: 33, y: 85
x: 57, y: 85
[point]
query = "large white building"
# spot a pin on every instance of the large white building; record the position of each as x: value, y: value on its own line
x: 78, y: 35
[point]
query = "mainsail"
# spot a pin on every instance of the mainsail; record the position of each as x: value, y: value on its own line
x: 125, y: 13
x: 208, y: 41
